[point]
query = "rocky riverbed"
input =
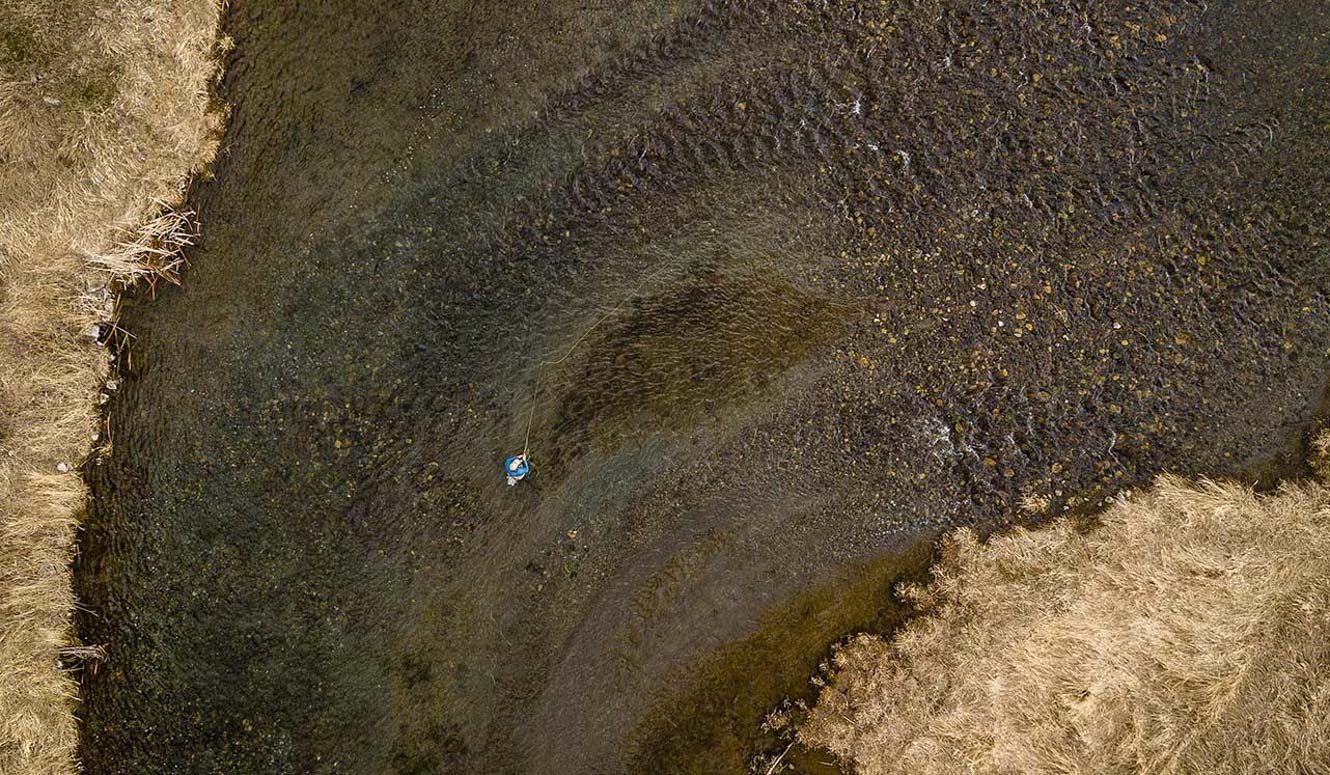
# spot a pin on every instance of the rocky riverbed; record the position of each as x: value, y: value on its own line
x: 865, y: 271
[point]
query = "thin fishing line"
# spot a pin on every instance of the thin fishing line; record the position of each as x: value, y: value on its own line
x: 540, y: 372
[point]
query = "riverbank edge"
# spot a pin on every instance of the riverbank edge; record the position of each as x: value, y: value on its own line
x: 1126, y: 702
x: 107, y: 116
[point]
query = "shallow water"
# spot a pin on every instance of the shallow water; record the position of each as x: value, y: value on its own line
x: 862, y: 274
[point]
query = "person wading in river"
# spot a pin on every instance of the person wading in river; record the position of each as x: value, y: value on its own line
x: 516, y: 468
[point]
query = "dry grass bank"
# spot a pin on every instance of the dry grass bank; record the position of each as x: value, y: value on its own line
x: 1188, y: 633
x: 103, y: 117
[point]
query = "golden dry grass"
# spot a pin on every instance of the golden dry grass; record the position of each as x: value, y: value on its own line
x: 104, y: 115
x: 1189, y: 632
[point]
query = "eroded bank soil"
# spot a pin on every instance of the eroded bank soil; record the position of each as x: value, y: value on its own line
x: 884, y: 269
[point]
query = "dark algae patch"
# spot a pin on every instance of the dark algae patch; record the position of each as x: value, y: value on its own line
x: 863, y: 271
x: 680, y: 356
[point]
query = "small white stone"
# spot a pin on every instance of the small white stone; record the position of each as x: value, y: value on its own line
x: 52, y: 101
x: 62, y: 468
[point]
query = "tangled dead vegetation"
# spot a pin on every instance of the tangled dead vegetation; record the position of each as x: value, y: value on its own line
x: 1188, y: 632
x: 104, y: 117
x: 151, y: 250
